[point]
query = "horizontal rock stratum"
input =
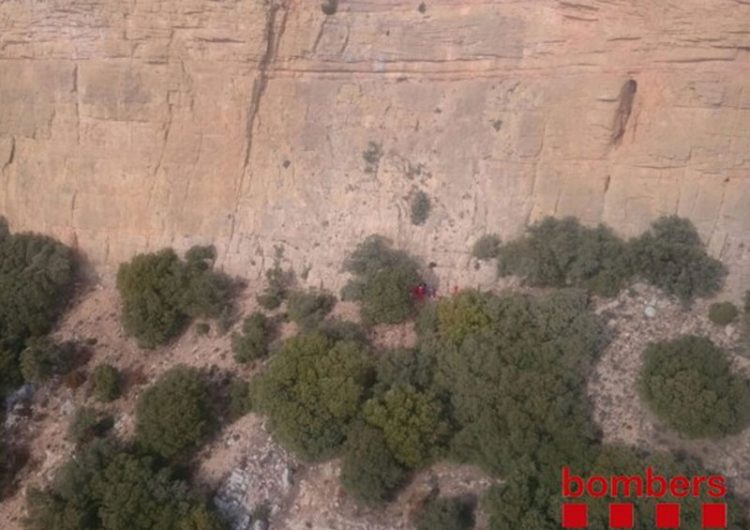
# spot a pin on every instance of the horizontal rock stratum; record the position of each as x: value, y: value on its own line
x: 131, y: 125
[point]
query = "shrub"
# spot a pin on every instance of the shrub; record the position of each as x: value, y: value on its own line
x: 420, y: 208
x: 672, y: 257
x: 369, y: 472
x: 689, y: 384
x: 517, y: 387
x: 312, y: 390
x: 486, y: 247
x: 240, y: 400
x: 43, y: 359
x: 10, y: 372
x: 106, y: 382
x: 277, y: 288
x: 105, y: 487
x: 255, y: 338
x: 723, y: 313
x: 309, y: 308
x: 87, y: 424
x: 372, y: 156
x: 383, y: 279
x: 172, y: 416
x: 343, y: 330
x: 747, y: 302
x: 404, y: 366
x: 463, y: 315
x: 562, y: 252
x: 447, y: 514
x: 387, y: 296
x: 161, y: 294
x: 412, y: 422
x: 36, y: 282
x: 202, y: 329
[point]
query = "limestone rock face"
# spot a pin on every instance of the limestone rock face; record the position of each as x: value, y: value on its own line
x: 130, y: 125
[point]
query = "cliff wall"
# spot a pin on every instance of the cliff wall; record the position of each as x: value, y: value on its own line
x: 128, y: 125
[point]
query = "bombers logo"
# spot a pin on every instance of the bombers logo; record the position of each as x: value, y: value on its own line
x: 650, y: 485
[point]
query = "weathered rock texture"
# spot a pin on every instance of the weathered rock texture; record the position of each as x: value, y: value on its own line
x: 128, y: 125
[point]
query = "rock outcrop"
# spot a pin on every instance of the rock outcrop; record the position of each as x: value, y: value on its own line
x: 132, y: 125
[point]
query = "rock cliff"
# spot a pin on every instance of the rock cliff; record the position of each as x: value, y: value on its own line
x: 128, y: 125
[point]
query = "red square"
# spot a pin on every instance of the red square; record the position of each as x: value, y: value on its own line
x: 714, y: 515
x: 575, y: 515
x: 667, y: 515
x: 621, y: 515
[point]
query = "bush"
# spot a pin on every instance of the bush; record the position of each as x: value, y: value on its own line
x: 203, y: 328
x: 36, y: 282
x: 369, y: 472
x: 240, y: 400
x: 37, y: 275
x: 343, y: 330
x: 108, y: 488
x: 563, y: 253
x: 161, y: 294
x: 517, y: 387
x: 10, y: 372
x: 277, y: 288
x: 723, y: 313
x: 672, y: 257
x: 312, y: 390
x: 43, y: 359
x: 383, y: 280
x: 447, y: 514
x: 468, y: 313
x: 688, y: 382
x: 87, y: 424
x: 255, y: 338
x: 412, y: 422
x: 486, y: 247
x: 747, y: 302
x: 172, y: 416
x: 420, y: 208
x: 309, y: 308
x: 106, y: 382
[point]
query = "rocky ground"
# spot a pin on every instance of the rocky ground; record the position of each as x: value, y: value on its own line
x: 247, y: 471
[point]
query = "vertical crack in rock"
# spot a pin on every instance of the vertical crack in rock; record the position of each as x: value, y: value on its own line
x: 273, y: 37
x: 627, y: 95
x: 11, y: 155
x: 77, y: 104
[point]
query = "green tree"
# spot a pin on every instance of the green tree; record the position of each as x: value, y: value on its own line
x: 382, y: 282
x: 312, y: 390
x: 466, y: 314
x: 43, y: 359
x: 161, y: 294
x: 688, y: 382
x: 672, y: 257
x: 486, y: 247
x: 563, y: 253
x: 517, y: 388
x: 446, y: 514
x: 172, y: 416
x: 37, y: 275
x: 88, y: 424
x: 420, y: 208
x: 105, y: 380
x: 723, y: 313
x: 413, y: 423
x: 309, y: 308
x: 253, y: 343
x: 369, y: 471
